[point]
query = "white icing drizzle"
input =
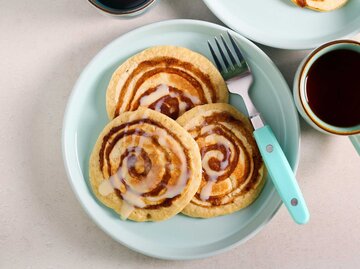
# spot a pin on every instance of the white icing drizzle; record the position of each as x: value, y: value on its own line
x: 206, y: 128
x: 172, y: 191
x: 158, y: 105
x: 126, y: 210
x: 182, y: 108
x: 160, y: 91
x: 109, y: 185
x: 183, y: 105
x: 105, y: 188
x: 115, y: 181
x: 194, y: 99
x: 206, y: 190
x: 163, y: 90
x: 212, y: 174
x: 131, y: 197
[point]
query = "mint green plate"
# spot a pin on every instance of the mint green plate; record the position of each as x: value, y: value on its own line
x: 281, y: 24
x: 180, y: 237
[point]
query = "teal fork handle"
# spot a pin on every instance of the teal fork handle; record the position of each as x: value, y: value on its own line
x: 355, y: 140
x: 281, y: 174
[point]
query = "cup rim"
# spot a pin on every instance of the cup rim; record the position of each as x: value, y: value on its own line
x: 301, y: 74
x: 122, y: 12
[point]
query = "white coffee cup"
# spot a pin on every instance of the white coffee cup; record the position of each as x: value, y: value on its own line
x: 299, y: 92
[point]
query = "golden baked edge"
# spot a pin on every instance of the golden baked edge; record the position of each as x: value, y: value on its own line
x: 114, y: 202
x: 195, y: 211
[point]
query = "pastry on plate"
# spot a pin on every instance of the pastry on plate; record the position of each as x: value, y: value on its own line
x: 167, y: 79
x: 145, y: 166
x: 233, y: 171
x: 321, y: 5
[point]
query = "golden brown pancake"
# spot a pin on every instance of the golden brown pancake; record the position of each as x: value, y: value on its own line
x: 233, y: 170
x: 145, y: 166
x: 320, y: 5
x: 167, y: 79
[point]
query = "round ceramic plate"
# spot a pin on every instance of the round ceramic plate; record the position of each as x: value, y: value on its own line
x: 180, y: 237
x: 281, y: 24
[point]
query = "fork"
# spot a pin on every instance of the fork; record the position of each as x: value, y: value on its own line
x: 238, y: 77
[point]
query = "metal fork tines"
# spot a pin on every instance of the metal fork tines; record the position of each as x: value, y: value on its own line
x: 237, y: 73
x: 234, y: 69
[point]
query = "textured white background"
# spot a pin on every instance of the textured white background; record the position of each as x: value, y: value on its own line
x: 44, y: 45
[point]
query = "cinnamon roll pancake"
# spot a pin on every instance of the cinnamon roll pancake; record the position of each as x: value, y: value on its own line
x: 320, y: 5
x: 233, y: 172
x: 145, y: 166
x: 167, y: 79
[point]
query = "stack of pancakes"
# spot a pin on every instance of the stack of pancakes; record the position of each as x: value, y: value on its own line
x: 173, y: 143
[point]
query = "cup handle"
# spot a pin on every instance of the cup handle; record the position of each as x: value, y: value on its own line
x: 355, y: 140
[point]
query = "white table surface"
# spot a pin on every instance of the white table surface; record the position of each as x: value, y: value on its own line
x: 44, y: 47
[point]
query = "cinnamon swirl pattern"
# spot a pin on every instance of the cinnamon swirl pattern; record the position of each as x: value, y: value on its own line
x: 232, y: 167
x: 168, y: 79
x: 145, y: 166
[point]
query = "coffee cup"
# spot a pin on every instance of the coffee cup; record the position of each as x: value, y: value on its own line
x: 122, y: 8
x: 325, y: 90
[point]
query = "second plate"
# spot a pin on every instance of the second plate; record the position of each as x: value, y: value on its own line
x: 281, y: 24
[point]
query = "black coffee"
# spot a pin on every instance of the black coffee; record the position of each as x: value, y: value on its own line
x: 333, y: 88
x: 122, y: 4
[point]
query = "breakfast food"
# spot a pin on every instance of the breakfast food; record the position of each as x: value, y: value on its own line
x: 321, y: 5
x: 145, y: 166
x: 167, y: 79
x: 233, y: 170
x: 148, y: 167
